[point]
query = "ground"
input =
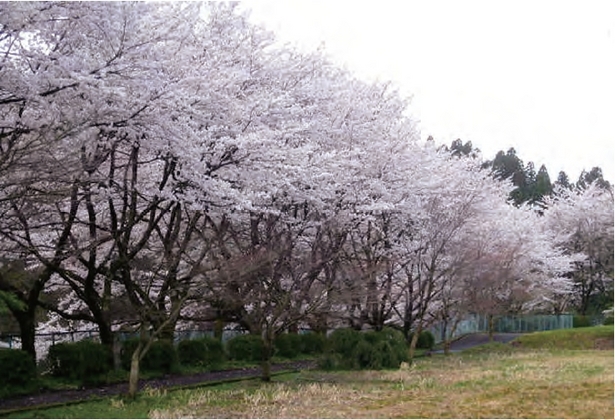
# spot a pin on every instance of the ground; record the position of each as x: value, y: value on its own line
x: 473, y: 340
x: 168, y: 381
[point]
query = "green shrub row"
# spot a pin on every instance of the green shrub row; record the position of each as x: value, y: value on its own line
x: 84, y: 360
x: 295, y: 345
x: 206, y: 351
x: 17, y: 370
x: 88, y: 361
x: 161, y: 357
x: 250, y: 347
x: 351, y: 349
x: 581, y: 321
x: 425, y: 341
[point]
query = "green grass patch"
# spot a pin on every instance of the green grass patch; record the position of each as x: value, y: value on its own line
x: 520, y: 383
x: 490, y: 348
x: 588, y: 338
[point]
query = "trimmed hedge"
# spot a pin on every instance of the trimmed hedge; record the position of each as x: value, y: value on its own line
x: 426, y: 340
x: 343, y: 341
x: 294, y: 345
x: 581, y: 321
x: 313, y: 343
x: 214, y: 351
x: 83, y: 360
x: 128, y: 348
x: 351, y: 349
x: 205, y: 351
x: 247, y: 347
x: 191, y: 352
x: 16, y: 368
x: 161, y: 357
x: 289, y: 345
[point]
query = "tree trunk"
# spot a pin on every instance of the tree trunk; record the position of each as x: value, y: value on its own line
x: 443, y: 334
x: 133, y: 378
x: 267, y: 354
x: 106, y: 334
x: 491, y: 327
x: 137, y: 355
x: 447, y: 346
x: 27, y: 330
x: 415, y: 339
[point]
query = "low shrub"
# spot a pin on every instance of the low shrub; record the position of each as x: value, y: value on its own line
x: 386, y: 357
x: 313, y: 343
x: 214, y: 351
x: 289, y: 345
x: 85, y: 360
x: 330, y: 361
x: 128, y: 348
x: 581, y: 321
x: 191, y: 352
x: 161, y: 357
x: 399, y: 346
x: 16, y: 368
x: 426, y: 340
x: 246, y: 347
x: 349, y: 349
x: 364, y: 356
x: 343, y: 341
x: 608, y: 321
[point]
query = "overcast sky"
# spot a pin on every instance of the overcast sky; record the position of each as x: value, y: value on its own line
x: 534, y: 75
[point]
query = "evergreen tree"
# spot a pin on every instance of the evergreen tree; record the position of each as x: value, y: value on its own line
x: 562, y: 181
x: 542, y: 186
x: 509, y: 166
x: 538, y: 185
x: 595, y: 175
x: 459, y: 149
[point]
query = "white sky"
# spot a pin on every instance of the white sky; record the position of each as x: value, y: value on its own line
x: 534, y: 75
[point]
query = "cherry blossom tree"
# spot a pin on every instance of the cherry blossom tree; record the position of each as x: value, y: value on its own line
x: 582, y: 220
x: 170, y: 163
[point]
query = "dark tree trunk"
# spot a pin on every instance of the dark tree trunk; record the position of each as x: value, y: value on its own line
x: 491, y: 327
x: 414, y: 341
x: 27, y: 331
x: 267, y: 354
x: 447, y: 346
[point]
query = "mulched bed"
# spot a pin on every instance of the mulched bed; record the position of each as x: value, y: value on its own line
x: 47, y: 398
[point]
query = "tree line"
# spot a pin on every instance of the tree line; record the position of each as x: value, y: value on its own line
x: 170, y: 164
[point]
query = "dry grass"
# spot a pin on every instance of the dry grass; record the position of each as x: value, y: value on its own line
x: 522, y: 384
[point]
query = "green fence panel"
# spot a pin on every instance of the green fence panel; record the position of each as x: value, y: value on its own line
x: 476, y: 323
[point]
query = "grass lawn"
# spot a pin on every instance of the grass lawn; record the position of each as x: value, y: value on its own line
x: 527, y: 380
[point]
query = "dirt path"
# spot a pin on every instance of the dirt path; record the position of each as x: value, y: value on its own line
x: 48, y: 398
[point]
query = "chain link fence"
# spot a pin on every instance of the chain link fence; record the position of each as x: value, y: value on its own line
x: 501, y: 324
x: 471, y: 324
x: 44, y: 341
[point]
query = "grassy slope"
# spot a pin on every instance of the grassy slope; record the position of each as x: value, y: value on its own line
x: 545, y: 376
x: 588, y: 338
